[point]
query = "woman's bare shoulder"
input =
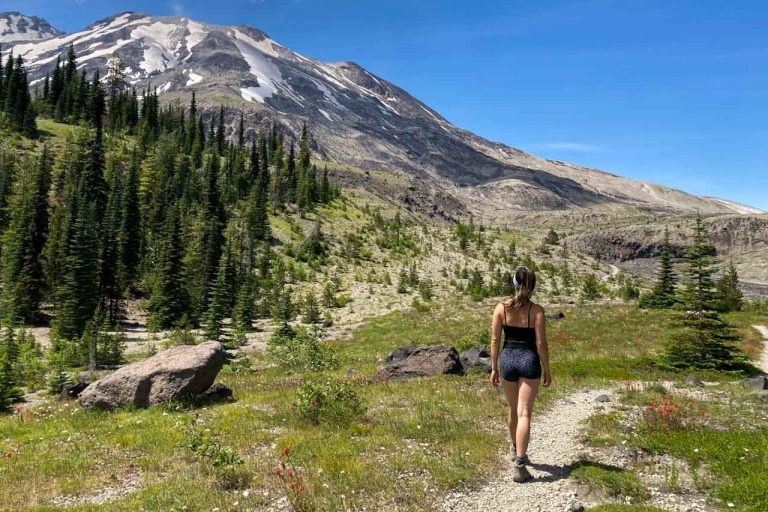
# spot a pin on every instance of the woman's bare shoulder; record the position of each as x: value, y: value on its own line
x: 537, y: 308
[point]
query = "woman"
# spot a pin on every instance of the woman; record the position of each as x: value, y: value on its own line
x: 523, y: 357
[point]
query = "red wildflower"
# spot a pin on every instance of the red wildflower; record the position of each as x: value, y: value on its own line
x: 286, y: 451
x: 302, y: 488
x: 9, y: 454
x: 290, y: 474
x: 277, y: 471
x: 292, y: 485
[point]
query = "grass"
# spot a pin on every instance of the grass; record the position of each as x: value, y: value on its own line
x: 418, y: 438
x: 731, y: 444
x: 612, y: 480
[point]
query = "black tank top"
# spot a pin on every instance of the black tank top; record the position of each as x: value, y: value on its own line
x: 519, y: 336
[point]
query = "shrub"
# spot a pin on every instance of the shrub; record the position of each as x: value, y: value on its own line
x: 481, y: 337
x: 590, y: 289
x: 305, y: 350
x: 670, y: 415
x: 206, y: 445
x: 332, y: 402
x: 425, y: 289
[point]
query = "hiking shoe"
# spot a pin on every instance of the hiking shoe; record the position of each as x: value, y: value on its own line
x: 520, y: 473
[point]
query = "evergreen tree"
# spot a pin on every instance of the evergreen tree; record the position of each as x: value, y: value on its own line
x: 23, y: 242
x: 728, y: 295
x: 242, y: 316
x: 702, y: 339
x: 169, y: 301
x: 663, y: 293
x: 220, y: 298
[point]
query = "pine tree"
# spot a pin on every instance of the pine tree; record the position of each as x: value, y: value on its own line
x: 702, y: 339
x: 23, y: 244
x: 169, y: 301
x: 663, y: 293
x: 728, y: 295
x: 242, y: 316
x: 220, y: 298
x: 221, y: 139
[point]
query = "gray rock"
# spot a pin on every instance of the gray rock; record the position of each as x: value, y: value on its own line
x: 423, y: 361
x: 574, y: 506
x: 400, y: 353
x: 756, y: 383
x: 72, y: 391
x: 174, y: 374
x: 602, y: 398
x: 693, y: 381
x: 555, y: 315
x: 476, y: 357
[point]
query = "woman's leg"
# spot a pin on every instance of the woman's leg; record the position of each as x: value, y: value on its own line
x: 511, y: 392
x: 527, y: 394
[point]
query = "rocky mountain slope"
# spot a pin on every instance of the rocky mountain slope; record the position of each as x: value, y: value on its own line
x: 15, y: 27
x: 357, y: 117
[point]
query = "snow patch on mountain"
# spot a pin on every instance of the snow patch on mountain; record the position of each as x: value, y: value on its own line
x: 267, y: 74
x: 194, y: 78
x: 15, y: 26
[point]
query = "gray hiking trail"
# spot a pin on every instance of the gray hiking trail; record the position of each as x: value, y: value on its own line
x: 762, y: 361
x: 554, y: 447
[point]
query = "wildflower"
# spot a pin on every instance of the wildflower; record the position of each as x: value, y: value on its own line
x: 277, y: 471
x: 286, y: 451
x: 292, y: 485
x: 290, y: 474
x: 302, y: 488
x: 9, y: 454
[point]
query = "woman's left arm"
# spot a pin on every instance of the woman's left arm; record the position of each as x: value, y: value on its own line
x: 541, y: 345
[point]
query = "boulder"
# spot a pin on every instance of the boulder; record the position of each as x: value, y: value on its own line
x: 476, y: 357
x: 177, y: 373
x: 555, y: 315
x: 401, y: 353
x: 693, y: 381
x: 422, y: 361
x: 602, y: 399
x: 72, y: 391
x: 756, y: 383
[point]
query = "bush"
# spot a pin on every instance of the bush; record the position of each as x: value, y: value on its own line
x: 206, y: 445
x: 332, y: 402
x: 481, y: 337
x: 305, y: 350
x: 590, y: 289
x: 670, y: 415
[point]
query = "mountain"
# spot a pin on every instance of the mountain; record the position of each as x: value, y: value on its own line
x: 357, y: 118
x: 15, y: 27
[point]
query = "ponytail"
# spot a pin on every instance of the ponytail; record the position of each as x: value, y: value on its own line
x: 525, y: 282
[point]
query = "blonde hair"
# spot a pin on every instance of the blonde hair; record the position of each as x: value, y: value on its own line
x: 525, y: 280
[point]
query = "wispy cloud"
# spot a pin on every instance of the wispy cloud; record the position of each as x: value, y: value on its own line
x: 576, y: 147
x: 177, y: 8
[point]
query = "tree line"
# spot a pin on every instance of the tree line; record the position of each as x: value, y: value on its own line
x: 151, y: 202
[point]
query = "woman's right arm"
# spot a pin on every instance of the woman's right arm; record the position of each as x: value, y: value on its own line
x: 495, y: 342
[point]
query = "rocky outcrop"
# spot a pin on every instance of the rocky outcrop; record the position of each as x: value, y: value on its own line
x: 177, y: 373
x: 476, y: 357
x: 421, y: 361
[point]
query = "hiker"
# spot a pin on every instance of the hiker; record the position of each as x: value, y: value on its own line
x: 520, y: 363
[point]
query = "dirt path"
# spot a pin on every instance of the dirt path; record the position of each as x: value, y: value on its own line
x: 555, y: 446
x: 762, y: 361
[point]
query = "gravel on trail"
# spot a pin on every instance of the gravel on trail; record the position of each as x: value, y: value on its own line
x: 554, y: 447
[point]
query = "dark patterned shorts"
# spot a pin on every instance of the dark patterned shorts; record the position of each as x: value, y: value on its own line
x: 519, y: 362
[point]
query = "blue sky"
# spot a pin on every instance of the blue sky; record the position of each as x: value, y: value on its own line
x: 668, y: 91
